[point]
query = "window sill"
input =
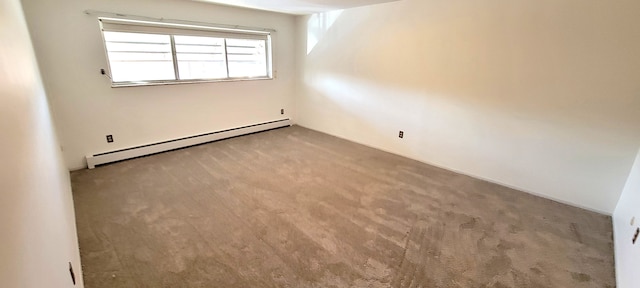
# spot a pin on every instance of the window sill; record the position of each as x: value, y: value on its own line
x: 174, y: 82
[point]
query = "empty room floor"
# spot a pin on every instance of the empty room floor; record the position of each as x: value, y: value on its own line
x: 293, y: 207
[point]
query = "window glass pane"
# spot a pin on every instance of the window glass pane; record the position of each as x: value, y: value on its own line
x: 135, y: 37
x: 198, y: 40
x: 202, y: 70
x: 219, y: 49
x: 200, y: 57
x: 139, y: 57
x: 138, y: 47
x: 142, y: 71
x: 247, y: 58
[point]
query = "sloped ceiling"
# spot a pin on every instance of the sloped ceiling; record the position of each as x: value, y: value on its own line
x: 297, y: 7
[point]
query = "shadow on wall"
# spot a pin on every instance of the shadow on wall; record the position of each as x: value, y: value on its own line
x: 318, y: 25
x: 522, y: 67
x: 540, y: 95
x: 341, y: 93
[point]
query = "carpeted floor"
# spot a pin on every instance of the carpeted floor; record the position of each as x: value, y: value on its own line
x: 296, y: 208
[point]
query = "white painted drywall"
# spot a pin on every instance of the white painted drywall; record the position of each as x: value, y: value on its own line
x: 38, y: 233
x: 627, y: 254
x: 70, y: 52
x: 541, y: 95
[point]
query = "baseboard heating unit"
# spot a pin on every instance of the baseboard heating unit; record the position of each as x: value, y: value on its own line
x: 133, y: 152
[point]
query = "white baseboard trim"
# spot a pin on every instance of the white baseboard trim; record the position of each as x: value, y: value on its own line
x: 138, y: 151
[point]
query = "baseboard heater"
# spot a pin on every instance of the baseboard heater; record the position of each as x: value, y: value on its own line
x: 133, y: 152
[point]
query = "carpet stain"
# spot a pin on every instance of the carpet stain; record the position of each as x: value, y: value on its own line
x: 580, y: 277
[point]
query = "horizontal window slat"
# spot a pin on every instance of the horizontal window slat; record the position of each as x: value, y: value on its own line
x: 131, y: 42
x: 140, y: 52
x: 141, y: 61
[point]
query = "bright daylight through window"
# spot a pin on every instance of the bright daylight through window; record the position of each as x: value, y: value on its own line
x: 149, y: 53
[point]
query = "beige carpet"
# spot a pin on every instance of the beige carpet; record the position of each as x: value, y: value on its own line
x: 296, y: 208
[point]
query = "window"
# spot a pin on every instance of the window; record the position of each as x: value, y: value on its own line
x: 201, y: 57
x: 149, y: 53
x: 139, y: 57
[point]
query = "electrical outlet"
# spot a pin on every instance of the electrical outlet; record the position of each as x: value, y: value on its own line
x: 281, y: 111
x: 401, y: 134
x: 73, y: 275
x: 635, y: 236
x: 103, y: 72
x: 109, y: 138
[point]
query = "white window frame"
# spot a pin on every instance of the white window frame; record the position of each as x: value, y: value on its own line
x: 108, y: 24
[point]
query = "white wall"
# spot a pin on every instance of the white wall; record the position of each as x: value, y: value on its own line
x: 538, y: 95
x: 627, y: 254
x: 37, y: 224
x: 69, y: 47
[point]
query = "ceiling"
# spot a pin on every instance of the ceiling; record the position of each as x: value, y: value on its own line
x: 298, y: 7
